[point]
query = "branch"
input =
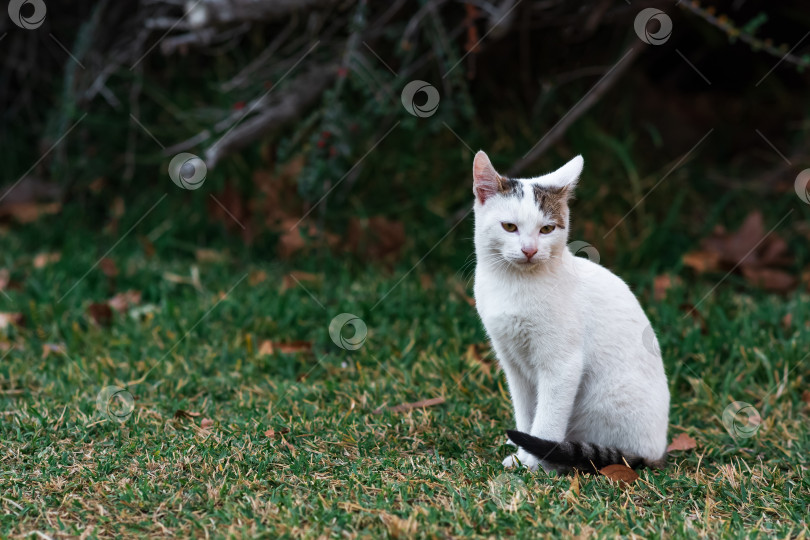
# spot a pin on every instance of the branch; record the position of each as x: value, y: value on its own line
x: 302, y: 94
x: 588, y: 101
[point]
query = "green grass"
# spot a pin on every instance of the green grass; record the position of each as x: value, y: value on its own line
x: 334, y: 468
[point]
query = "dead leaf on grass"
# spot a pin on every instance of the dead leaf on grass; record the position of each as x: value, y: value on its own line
x: 100, y: 313
x: 124, y: 300
x: 180, y: 413
x: 11, y: 319
x: 41, y: 260
x: 622, y: 474
x: 682, y: 442
x: 267, y: 347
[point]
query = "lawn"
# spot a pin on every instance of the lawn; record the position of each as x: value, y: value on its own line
x: 247, y: 419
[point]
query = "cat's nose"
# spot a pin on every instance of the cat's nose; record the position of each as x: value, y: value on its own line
x: 529, y: 252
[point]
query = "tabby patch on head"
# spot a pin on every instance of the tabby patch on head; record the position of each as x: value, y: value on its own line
x: 552, y: 201
x: 487, y: 181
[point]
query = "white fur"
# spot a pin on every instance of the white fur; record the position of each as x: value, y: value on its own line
x: 567, y: 332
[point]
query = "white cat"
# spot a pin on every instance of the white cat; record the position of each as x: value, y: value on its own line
x: 568, y: 333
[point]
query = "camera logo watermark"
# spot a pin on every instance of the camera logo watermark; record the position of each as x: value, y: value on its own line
x: 33, y: 20
x: 507, y: 491
x: 115, y: 404
x: 802, y: 185
x: 650, y: 342
x: 408, y: 97
x: 337, y: 326
x: 584, y: 250
x: 187, y: 171
x: 742, y: 420
x: 641, y: 26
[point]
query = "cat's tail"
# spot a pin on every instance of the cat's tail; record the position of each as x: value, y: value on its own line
x: 579, y: 455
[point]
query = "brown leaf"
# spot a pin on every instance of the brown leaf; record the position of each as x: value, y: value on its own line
x: 13, y: 319
x: 291, y: 280
x: 702, y: 261
x: 375, y: 238
x: 622, y: 474
x: 148, y: 246
x: 426, y: 282
x: 206, y: 423
x: 267, y: 347
x: 662, y: 284
x: 461, y: 290
x: 415, y: 405
x: 682, y: 442
x: 28, y: 212
x: 256, y: 277
x: 740, y: 246
x: 180, y: 413
x: 770, y: 279
x: 108, y: 267
x: 41, y: 260
x: 787, y: 321
x: 124, y: 300
x: 100, y: 313
x: 271, y: 433
x: 806, y: 396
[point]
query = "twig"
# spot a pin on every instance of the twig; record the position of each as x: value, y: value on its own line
x: 588, y: 101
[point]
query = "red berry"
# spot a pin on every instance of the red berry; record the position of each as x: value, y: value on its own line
x: 239, y: 105
x: 321, y: 143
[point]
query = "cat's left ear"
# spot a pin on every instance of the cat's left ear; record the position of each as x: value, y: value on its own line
x: 569, y: 173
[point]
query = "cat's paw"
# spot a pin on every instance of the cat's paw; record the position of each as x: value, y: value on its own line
x: 521, y: 459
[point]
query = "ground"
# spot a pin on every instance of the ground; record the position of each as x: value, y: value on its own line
x: 226, y: 437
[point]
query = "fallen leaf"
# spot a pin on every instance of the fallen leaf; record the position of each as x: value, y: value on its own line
x: 180, y: 413
x: 426, y: 281
x: 29, y: 212
x: 124, y: 300
x: 662, y: 284
x: 256, y: 277
x: 415, y: 405
x: 682, y: 442
x: 573, y: 491
x: 108, y: 267
x: 702, y: 261
x: 806, y: 396
x: 100, y: 313
x: 41, y: 260
x: 12, y: 319
x: 206, y: 423
x: 291, y: 280
x: 5, y: 277
x: 787, y: 321
x: 267, y: 347
x: 622, y: 474
x: 770, y: 279
x: 375, y: 238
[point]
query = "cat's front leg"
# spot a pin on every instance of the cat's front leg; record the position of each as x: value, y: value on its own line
x: 523, y: 392
x: 556, y: 388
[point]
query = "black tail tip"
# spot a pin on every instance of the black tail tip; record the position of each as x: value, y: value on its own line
x: 517, y: 437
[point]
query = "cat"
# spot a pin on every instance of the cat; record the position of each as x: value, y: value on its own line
x: 581, y: 360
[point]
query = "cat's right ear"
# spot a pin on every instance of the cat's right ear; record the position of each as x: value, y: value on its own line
x: 486, y: 180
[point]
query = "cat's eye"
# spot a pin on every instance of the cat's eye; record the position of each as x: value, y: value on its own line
x: 545, y: 229
x: 509, y: 227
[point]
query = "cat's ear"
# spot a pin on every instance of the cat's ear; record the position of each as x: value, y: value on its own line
x: 568, y: 174
x: 486, y: 180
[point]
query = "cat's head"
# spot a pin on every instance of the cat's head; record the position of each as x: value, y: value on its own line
x: 522, y: 223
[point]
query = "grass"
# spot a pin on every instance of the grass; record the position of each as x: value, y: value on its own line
x: 332, y: 467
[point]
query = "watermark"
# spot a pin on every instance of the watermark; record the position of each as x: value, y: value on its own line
x: 642, y: 22
x: 802, y: 185
x: 187, y: 171
x: 115, y: 404
x: 342, y: 321
x: 742, y: 420
x: 34, y: 16
x: 508, y: 491
x: 650, y: 342
x: 584, y: 250
x: 408, y: 97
